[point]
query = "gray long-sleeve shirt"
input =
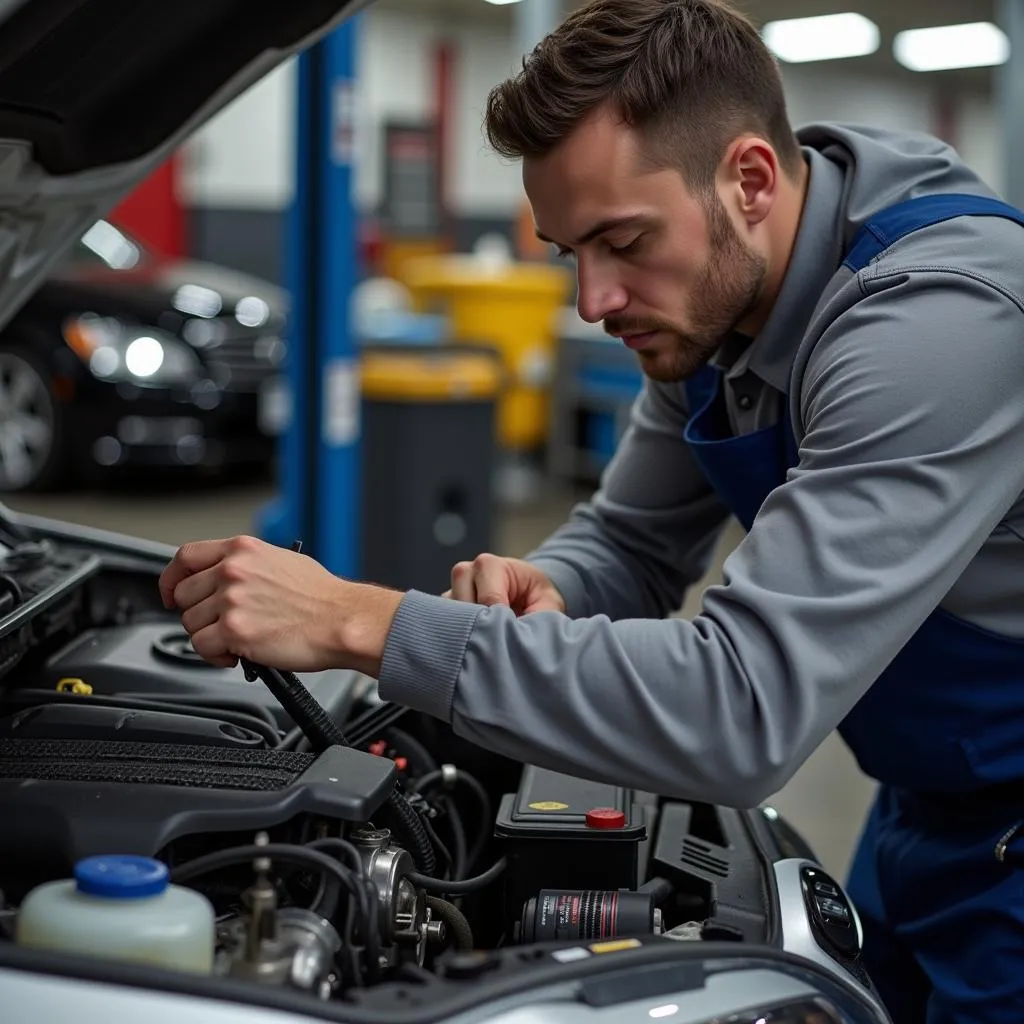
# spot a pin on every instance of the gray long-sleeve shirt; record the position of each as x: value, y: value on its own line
x: 905, y: 384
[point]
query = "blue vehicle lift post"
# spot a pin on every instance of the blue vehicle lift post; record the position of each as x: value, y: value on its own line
x: 319, y: 498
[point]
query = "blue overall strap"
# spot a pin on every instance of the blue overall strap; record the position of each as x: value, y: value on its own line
x: 891, y: 224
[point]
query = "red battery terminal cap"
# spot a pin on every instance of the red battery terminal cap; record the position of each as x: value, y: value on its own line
x: 606, y: 817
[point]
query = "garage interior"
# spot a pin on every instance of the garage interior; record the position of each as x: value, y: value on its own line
x: 222, y: 217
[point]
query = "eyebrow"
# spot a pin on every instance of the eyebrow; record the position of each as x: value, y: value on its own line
x: 598, y: 229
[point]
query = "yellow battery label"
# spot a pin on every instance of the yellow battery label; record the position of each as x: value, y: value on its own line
x: 614, y: 945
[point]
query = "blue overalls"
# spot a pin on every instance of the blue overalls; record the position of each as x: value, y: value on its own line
x: 942, y: 730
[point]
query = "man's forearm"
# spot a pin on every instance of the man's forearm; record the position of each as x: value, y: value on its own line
x: 660, y: 705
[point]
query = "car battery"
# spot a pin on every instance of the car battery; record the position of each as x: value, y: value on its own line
x: 561, y: 832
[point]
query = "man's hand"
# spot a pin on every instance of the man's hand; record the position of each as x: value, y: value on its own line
x: 490, y: 580
x: 243, y: 598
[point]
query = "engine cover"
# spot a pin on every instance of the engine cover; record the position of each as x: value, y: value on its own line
x: 156, y: 659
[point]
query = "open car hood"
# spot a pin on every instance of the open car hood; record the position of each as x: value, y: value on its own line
x: 96, y: 94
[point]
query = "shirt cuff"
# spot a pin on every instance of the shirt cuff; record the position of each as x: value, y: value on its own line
x: 424, y: 652
x: 568, y: 583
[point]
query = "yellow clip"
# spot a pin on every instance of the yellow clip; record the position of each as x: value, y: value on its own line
x: 76, y: 686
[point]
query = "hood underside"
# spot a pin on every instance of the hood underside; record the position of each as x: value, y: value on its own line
x: 96, y: 94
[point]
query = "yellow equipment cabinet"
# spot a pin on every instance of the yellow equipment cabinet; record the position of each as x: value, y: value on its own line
x: 513, y: 309
x: 428, y: 454
x: 397, y: 253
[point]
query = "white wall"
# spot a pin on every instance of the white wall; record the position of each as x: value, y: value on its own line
x: 832, y: 92
x: 243, y: 157
x: 979, y: 139
x: 396, y: 80
x: 837, y: 92
x: 483, y: 182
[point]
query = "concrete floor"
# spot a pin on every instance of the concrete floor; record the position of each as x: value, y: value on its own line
x: 827, y: 798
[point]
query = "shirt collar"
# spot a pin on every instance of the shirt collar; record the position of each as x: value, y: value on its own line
x: 816, y: 256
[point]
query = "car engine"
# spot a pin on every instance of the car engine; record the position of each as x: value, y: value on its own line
x: 355, y: 856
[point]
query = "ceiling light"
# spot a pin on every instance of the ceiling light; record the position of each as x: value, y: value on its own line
x: 499, y: 3
x: 825, y: 37
x: 978, y: 45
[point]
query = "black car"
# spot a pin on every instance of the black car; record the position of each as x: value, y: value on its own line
x: 126, y: 358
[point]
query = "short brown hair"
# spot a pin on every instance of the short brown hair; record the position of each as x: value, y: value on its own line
x: 689, y: 75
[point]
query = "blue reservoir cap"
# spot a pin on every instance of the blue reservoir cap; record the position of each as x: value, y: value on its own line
x: 121, y: 876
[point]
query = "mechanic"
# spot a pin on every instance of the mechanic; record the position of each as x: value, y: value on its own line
x: 860, y: 410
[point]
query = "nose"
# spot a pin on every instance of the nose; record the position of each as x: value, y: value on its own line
x: 599, y: 293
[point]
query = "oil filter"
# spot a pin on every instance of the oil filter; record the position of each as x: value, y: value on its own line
x: 561, y: 914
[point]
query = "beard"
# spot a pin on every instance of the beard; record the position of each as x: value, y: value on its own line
x: 727, y: 289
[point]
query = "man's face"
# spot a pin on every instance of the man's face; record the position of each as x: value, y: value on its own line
x: 665, y: 271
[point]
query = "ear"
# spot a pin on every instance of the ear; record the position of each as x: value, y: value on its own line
x: 750, y: 175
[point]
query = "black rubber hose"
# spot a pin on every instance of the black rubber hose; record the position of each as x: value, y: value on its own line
x: 420, y: 759
x: 442, y: 885
x: 302, y: 707
x: 323, y: 732
x: 463, y: 778
x: 456, y: 921
x: 372, y: 723
x: 472, y: 783
x: 414, y: 832
x: 326, y: 903
x: 439, y: 847
x: 341, y: 846
x: 368, y: 900
x: 12, y: 589
x: 288, y: 854
x: 292, y: 739
x: 461, y: 865
x: 283, y: 852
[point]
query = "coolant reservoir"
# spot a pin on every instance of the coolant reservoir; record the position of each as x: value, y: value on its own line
x: 121, y: 908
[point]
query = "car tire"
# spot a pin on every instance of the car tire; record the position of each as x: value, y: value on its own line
x: 32, y: 439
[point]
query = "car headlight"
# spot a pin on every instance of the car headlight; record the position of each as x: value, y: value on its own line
x: 116, y: 351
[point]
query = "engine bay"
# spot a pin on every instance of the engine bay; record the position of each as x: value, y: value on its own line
x: 352, y: 854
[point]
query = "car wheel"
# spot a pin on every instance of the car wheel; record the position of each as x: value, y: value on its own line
x: 30, y: 442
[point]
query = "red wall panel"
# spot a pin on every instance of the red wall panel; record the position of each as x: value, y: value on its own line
x: 153, y: 212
